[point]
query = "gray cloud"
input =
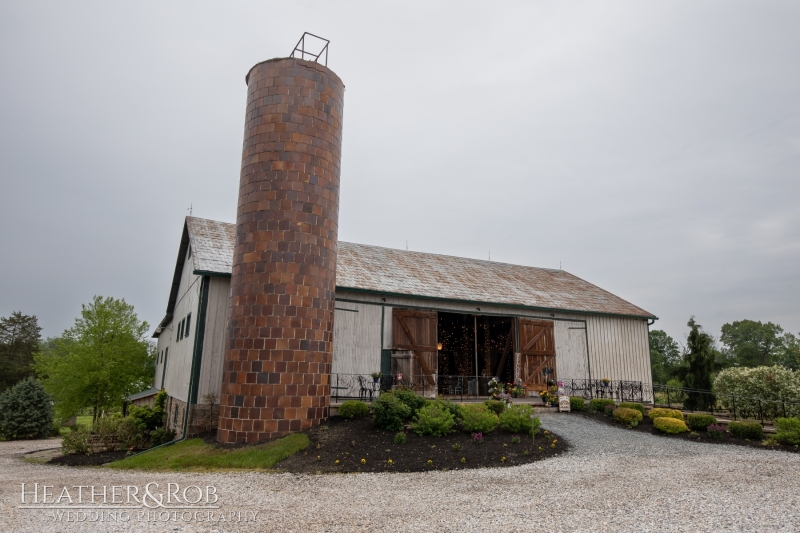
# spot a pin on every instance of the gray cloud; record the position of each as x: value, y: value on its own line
x: 652, y: 148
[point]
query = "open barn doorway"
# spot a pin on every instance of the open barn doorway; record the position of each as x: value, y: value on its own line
x: 476, y: 345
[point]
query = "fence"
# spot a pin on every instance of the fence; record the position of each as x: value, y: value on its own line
x: 623, y: 391
x: 745, y: 407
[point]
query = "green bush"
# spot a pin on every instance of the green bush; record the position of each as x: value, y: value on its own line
x: 576, y: 403
x: 451, y: 407
x: 777, y: 387
x: 390, y: 413
x: 77, y: 441
x: 670, y: 425
x: 633, y: 405
x: 132, y: 433
x: 632, y: 417
x: 517, y: 419
x: 700, y: 422
x: 400, y: 438
x: 599, y: 404
x: 26, y: 411
x: 353, y: 409
x: 408, y: 397
x: 106, y: 428
x: 495, y: 406
x: 478, y: 418
x: 665, y: 413
x: 434, y: 419
x: 161, y: 436
x: 152, y: 417
x: 746, y: 430
x: 788, y: 431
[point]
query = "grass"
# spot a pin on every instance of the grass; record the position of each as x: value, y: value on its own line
x: 194, y: 455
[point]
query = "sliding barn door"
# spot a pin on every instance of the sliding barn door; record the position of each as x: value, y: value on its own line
x: 415, y: 331
x: 538, y: 352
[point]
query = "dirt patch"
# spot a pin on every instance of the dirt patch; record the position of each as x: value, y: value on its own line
x: 646, y: 426
x: 350, y: 441
x: 93, y: 459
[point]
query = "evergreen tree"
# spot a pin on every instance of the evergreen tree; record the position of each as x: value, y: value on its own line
x: 26, y: 411
x: 698, y: 366
x: 19, y: 339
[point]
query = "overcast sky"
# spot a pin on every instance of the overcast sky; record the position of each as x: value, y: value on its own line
x: 651, y: 148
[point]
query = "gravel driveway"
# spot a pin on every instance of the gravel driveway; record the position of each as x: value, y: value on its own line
x: 612, y: 480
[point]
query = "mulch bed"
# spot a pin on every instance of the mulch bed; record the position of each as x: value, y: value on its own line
x: 94, y: 459
x: 646, y: 426
x: 349, y: 441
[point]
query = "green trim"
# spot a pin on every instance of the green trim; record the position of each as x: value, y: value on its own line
x: 164, y: 368
x: 479, y: 302
x: 199, y: 334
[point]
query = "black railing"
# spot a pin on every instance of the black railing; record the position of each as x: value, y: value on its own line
x: 365, y: 387
x: 734, y: 405
x: 623, y: 391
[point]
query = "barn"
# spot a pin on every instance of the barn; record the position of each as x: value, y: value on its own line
x: 441, y: 324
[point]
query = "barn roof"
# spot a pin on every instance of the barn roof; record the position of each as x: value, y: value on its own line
x: 362, y: 267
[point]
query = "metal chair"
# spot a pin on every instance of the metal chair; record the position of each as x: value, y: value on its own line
x: 364, y: 389
x: 455, y: 385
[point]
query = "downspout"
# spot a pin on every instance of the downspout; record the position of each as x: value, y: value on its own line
x: 194, y: 374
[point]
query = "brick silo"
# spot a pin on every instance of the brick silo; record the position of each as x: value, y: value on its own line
x: 280, y: 322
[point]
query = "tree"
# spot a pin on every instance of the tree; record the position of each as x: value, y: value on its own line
x: 790, y: 352
x: 749, y: 343
x: 698, y: 366
x: 19, y: 339
x: 26, y: 411
x: 665, y: 355
x: 100, y: 361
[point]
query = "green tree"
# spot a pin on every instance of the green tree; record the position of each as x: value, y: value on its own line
x: 665, y: 356
x: 26, y: 411
x: 19, y: 339
x: 100, y: 361
x: 750, y: 343
x: 698, y: 367
x: 790, y: 352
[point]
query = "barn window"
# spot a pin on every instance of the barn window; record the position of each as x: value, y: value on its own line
x: 188, y: 322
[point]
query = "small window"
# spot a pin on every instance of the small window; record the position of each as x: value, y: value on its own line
x: 188, y: 322
x: 178, y: 332
x: 189, y: 252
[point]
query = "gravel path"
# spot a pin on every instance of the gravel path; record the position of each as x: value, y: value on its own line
x: 612, y: 480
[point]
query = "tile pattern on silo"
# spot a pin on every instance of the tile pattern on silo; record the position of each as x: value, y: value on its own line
x: 280, y: 325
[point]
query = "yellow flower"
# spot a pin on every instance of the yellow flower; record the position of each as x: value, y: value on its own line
x: 363, y: 461
x: 337, y: 461
x: 505, y: 445
x: 503, y: 459
x: 391, y: 462
x: 430, y: 462
x: 463, y: 459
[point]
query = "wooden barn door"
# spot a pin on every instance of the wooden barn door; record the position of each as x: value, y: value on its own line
x: 416, y: 331
x: 538, y: 352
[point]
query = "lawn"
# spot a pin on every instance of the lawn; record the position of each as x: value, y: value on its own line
x: 195, y: 455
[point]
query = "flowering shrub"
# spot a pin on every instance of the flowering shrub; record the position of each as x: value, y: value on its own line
x: 775, y: 386
x: 477, y: 437
x: 715, y: 430
x: 670, y: 425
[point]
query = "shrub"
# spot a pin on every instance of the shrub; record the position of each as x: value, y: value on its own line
x: 478, y: 418
x: 608, y: 410
x: 495, y: 406
x: 633, y: 405
x: 161, y: 436
x: 715, y: 430
x: 400, y: 438
x: 152, y: 417
x: 517, y: 419
x: 576, y: 403
x: 434, y: 419
x: 77, y: 441
x: 390, y: 413
x: 788, y: 431
x: 598, y: 404
x: 776, y: 386
x: 670, y: 425
x: 699, y: 422
x: 132, y: 433
x: 26, y: 411
x: 353, y: 409
x: 451, y: 407
x: 408, y: 397
x: 106, y: 428
x: 746, y: 430
x: 665, y: 413
x: 632, y: 417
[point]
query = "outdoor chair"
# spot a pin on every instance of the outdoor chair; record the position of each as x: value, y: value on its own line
x: 455, y: 385
x: 364, y: 389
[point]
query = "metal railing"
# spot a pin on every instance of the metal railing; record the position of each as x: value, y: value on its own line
x: 733, y: 405
x: 623, y: 391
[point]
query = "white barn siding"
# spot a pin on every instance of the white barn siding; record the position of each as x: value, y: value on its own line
x: 214, y: 337
x: 618, y: 348
x: 179, y: 363
x: 571, y: 357
x: 356, y: 338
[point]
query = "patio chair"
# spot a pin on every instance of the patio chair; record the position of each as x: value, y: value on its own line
x: 364, y: 389
x: 455, y: 385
